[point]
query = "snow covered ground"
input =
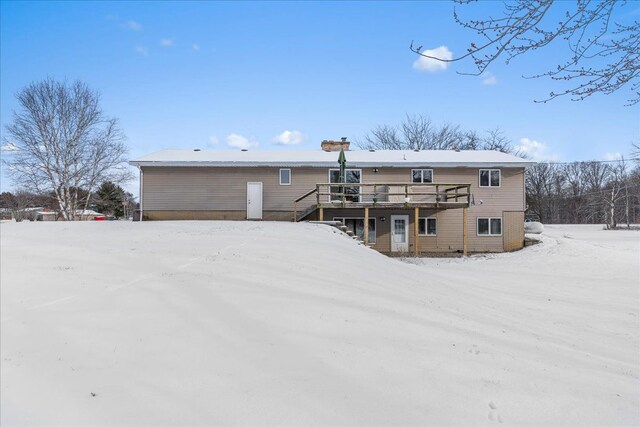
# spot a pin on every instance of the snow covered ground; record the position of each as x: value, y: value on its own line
x: 257, y: 323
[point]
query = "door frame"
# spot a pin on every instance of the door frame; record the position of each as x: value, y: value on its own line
x: 405, y: 247
x: 249, y: 184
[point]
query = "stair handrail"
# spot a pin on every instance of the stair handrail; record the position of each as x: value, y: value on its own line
x: 299, y: 199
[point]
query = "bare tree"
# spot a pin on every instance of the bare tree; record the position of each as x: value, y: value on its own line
x: 383, y: 137
x: 617, y: 189
x: 417, y: 132
x: 576, y: 200
x: 603, y: 55
x: 539, y: 181
x: 446, y: 137
x: 19, y: 202
x: 596, y: 175
x: 62, y: 142
x: 498, y: 141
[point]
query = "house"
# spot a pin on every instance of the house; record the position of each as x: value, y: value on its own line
x: 396, y: 200
x: 89, y: 215
x: 46, y: 215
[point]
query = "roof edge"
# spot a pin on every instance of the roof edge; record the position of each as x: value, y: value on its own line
x: 404, y: 164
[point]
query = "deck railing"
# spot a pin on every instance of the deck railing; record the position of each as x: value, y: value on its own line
x: 390, y: 195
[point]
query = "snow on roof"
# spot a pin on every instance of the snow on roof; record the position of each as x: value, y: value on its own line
x: 318, y: 158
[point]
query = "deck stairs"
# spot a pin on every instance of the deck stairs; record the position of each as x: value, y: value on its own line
x: 305, y: 213
x: 343, y: 228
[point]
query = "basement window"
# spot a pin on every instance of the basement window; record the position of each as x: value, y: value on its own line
x: 356, y: 225
x: 489, y: 177
x: 489, y: 227
x: 426, y: 226
x: 285, y: 176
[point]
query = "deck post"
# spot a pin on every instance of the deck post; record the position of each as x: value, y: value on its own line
x: 416, y: 232
x: 295, y: 211
x: 464, y: 231
x: 321, y: 214
x: 366, y: 226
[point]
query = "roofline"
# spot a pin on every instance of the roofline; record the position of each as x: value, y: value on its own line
x: 333, y: 164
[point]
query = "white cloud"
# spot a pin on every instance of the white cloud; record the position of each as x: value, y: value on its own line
x: 142, y: 50
x: 488, y: 79
x: 433, y: 65
x: 213, y: 141
x: 238, y: 141
x: 536, y: 150
x: 132, y: 25
x: 195, y: 46
x: 289, y: 137
x: 167, y: 42
x: 612, y: 156
x: 9, y: 148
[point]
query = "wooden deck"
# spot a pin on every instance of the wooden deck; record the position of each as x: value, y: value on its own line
x: 410, y: 196
x: 385, y: 196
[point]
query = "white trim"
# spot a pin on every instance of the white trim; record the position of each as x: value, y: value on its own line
x: 280, y: 176
x: 141, y: 192
x: 489, y: 219
x: 426, y: 227
x: 422, y: 170
x: 406, y: 231
x: 489, y: 186
x: 321, y: 164
x: 338, y: 218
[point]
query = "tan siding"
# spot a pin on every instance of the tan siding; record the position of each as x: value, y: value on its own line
x: 193, y: 189
x: 213, y: 215
x: 513, y: 230
x: 196, y: 190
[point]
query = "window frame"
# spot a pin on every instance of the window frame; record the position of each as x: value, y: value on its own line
x: 422, y: 176
x: 426, y: 226
x: 280, y: 176
x: 490, y: 186
x: 489, y: 219
x: 337, y: 184
x: 375, y: 226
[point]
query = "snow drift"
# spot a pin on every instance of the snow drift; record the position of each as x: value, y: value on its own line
x: 237, y: 323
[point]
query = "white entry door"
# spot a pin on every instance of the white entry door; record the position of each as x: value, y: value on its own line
x: 254, y: 200
x: 399, y: 233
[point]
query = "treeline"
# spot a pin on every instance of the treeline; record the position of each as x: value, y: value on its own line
x: 419, y: 132
x: 584, y: 193
x: 110, y: 199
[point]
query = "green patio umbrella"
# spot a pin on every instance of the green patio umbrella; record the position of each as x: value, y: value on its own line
x: 342, y: 161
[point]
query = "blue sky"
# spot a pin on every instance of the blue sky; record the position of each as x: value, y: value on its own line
x: 210, y: 74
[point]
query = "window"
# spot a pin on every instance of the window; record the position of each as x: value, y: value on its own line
x: 352, y: 176
x: 489, y: 177
x: 426, y: 226
x: 489, y: 226
x: 285, y: 176
x: 424, y: 176
x: 356, y: 225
